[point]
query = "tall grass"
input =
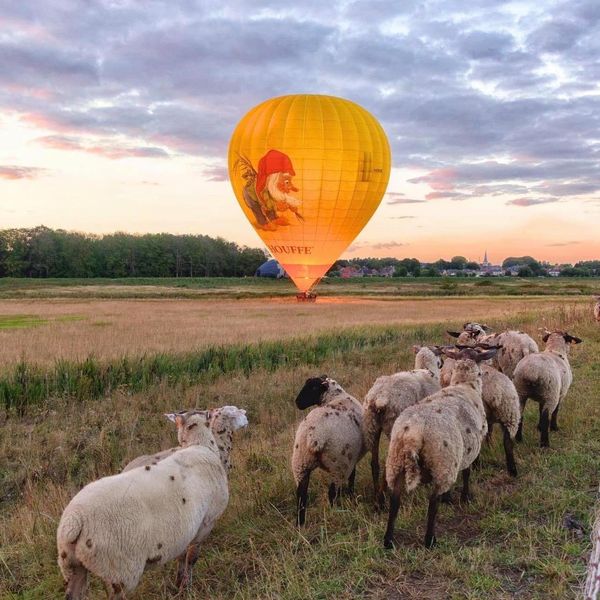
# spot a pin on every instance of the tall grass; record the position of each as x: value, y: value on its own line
x: 27, y: 384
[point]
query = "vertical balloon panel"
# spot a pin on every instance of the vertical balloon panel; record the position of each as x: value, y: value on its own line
x: 309, y: 172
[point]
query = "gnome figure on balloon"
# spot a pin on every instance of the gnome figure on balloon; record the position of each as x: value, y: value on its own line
x: 267, y: 190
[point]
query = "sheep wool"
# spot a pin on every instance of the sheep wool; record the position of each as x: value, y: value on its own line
x: 437, y: 438
x: 330, y: 437
x: 546, y: 378
x: 501, y: 404
x: 118, y: 526
x: 389, y: 396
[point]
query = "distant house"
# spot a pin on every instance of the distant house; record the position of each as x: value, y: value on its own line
x: 350, y: 271
x: 387, y: 271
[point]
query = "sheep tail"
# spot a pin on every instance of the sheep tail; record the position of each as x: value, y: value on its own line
x: 70, y: 528
x: 405, y: 454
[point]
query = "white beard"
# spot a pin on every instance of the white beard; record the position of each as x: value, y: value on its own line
x: 277, y: 194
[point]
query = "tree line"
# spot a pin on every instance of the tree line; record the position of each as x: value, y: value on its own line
x: 45, y: 252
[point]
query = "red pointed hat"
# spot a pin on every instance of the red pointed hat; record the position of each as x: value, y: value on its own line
x: 272, y: 162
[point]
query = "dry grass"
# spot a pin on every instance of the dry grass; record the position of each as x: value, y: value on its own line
x: 108, y: 329
x: 509, y: 543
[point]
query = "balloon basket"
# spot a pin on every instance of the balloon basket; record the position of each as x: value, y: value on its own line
x: 306, y: 297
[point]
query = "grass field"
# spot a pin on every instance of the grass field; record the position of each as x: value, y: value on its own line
x: 509, y: 543
x: 251, y: 287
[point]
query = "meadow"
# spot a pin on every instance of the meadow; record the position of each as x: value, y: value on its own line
x: 510, y: 542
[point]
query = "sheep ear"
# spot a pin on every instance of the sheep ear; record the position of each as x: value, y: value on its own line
x: 416, y: 349
x: 481, y: 356
x: 486, y: 328
x: 437, y: 350
x: 453, y: 334
x: 571, y: 339
x: 171, y: 416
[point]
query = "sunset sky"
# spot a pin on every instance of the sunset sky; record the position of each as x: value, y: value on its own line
x: 116, y: 115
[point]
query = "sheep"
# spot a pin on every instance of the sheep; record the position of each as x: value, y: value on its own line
x: 546, y: 378
x: 514, y: 345
x: 118, y: 526
x: 597, y: 308
x: 329, y: 437
x: 389, y: 396
x: 438, y: 437
x: 217, y: 426
x: 500, y: 401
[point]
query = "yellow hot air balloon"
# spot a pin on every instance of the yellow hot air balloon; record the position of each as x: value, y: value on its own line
x: 308, y: 171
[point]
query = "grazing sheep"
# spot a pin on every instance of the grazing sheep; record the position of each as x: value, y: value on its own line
x: 329, y: 437
x: 514, y: 345
x: 217, y: 425
x: 433, y: 440
x: 501, y: 404
x: 597, y: 309
x: 389, y: 396
x: 118, y: 526
x: 546, y: 378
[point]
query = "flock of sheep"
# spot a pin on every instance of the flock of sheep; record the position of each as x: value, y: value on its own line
x: 162, y: 506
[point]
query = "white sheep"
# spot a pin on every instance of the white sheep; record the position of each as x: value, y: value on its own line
x: 597, y: 308
x: 514, y: 345
x: 389, y: 396
x: 329, y: 437
x: 546, y: 378
x: 436, y: 439
x: 118, y: 526
x: 501, y: 404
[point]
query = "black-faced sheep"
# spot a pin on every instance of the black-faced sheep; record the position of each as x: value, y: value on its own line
x: 514, y: 345
x: 546, y: 378
x: 389, y: 396
x: 118, y: 526
x: 329, y: 437
x: 436, y: 439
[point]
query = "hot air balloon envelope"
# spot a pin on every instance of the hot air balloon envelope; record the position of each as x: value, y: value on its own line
x: 309, y: 172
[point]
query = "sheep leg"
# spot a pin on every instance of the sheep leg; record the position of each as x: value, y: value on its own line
x: 186, y: 565
x: 465, y: 495
x: 378, y: 485
x: 511, y: 466
x: 430, y: 539
x: 519, y: 436
x: 447, y: 497
x: 488, y: 436
x: 553, y: 420
x: 77, y: 583
x: 333, y: 493
x: 543, y: 427
x: 388, y: 539
x: 351, y: 480
x: 301, y: 497
x: 115, y: 591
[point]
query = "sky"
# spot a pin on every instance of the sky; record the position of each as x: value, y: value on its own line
x: 116, y: 115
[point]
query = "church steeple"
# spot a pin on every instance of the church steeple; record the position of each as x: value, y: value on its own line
x: 486, y: 262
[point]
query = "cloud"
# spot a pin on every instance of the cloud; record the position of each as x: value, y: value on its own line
x: 561, y: 244
x: 404, y: 217
x: 447, y: 195
x: 19, y: 172
x: 216, y: 173
x: 387, y: 245
x: 530, y: 201
x: 477, y: 96
x: 103, y: 148
x: 399, y: 198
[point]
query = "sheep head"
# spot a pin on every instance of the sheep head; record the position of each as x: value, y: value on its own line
x: 557, y: 334
x: 312, y: 392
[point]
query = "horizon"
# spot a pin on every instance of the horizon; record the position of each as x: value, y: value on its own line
x: 117, y: 117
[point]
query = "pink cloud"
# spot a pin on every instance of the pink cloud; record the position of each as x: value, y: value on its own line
x: 16, y: 172
x: 438, y: 179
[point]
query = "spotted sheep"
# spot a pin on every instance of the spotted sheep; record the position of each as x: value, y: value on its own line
x: 118, y: 526
x: 330, y: 437
x: 514, y: 345
x: 437, y: 438
x: 546, y: 378
x: 500, y: 401
x: 389, y: 396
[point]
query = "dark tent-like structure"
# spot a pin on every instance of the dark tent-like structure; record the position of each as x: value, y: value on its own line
x: 271, y: 268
